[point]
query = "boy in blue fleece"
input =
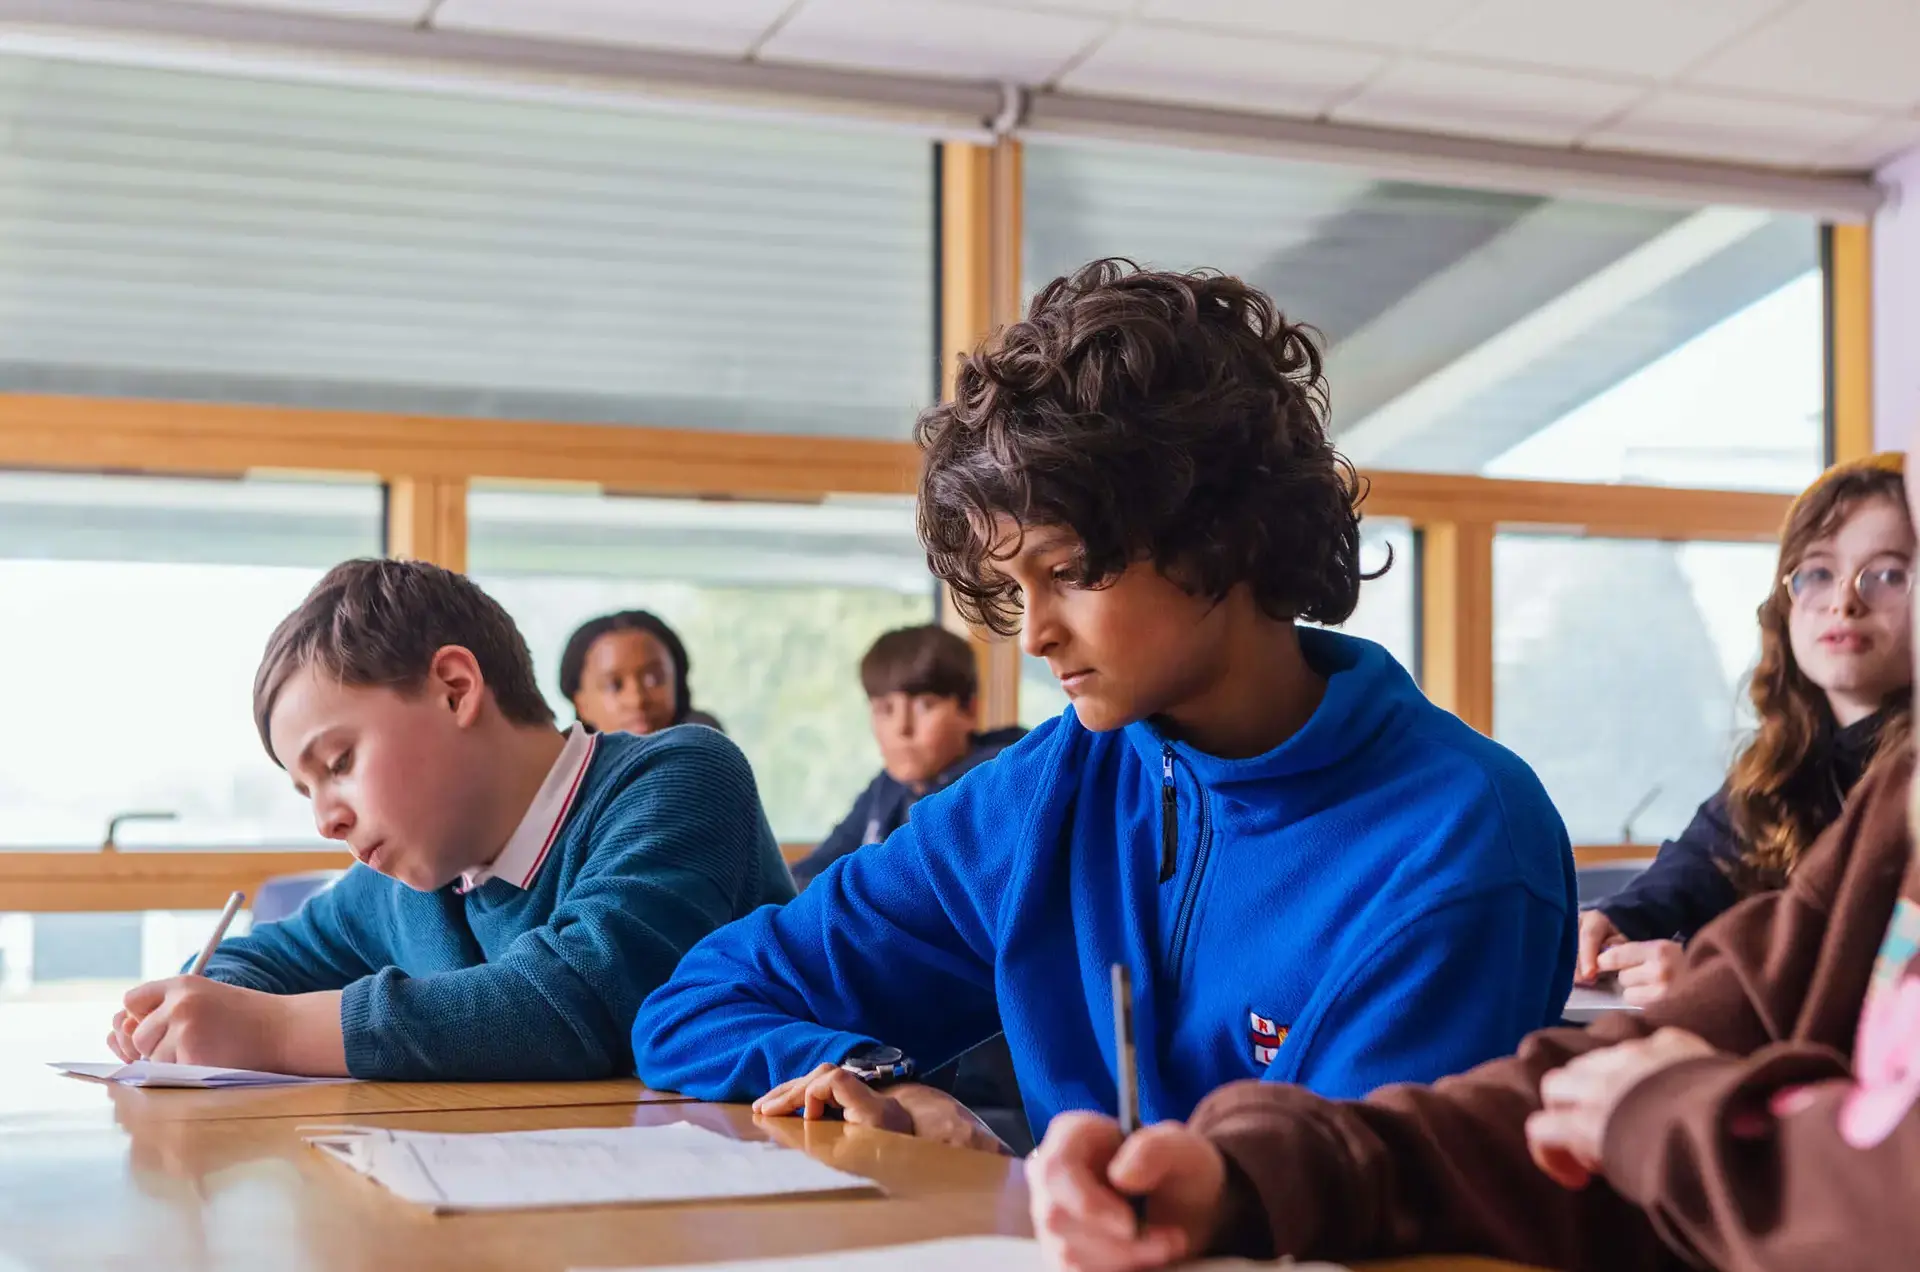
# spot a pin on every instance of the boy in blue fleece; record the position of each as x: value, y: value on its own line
x: 519, y: 890
x: 1315, y: 875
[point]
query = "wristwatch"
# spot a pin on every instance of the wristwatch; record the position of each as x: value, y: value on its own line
x: 879, y: 1066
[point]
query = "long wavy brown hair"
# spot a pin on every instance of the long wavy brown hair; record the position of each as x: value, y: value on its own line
x: 1781, y: 803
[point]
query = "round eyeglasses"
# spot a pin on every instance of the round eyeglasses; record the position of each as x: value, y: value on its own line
x: 1877, y: 586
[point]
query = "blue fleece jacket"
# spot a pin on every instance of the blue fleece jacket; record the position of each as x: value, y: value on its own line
x: 1388, y: 896
x: 664, y: 842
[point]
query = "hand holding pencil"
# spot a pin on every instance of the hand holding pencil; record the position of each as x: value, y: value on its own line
x: 127, y: 1023
x: 194, y: 1019
x: 1107, y: 1196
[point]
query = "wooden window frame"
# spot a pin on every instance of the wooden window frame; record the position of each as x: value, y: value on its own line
x: 980, y: 201
x: 1847, y: 252
x: 426, y: 520
x: 428, y: 464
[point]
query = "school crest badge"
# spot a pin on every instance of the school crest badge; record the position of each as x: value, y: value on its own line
x: 1267, y: 1037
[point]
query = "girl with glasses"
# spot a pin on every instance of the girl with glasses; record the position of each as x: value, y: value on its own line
x: 1831, y: 691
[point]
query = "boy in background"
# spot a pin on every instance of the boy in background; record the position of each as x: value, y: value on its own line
x: 517, y: 890
x: 922, y: 687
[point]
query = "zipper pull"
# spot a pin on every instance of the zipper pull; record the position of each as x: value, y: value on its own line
x: 1169, y: 816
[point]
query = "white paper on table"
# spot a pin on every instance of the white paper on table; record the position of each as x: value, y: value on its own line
x: 955, y: 1254
x: 153, y: 1073
x: 588, y: 1166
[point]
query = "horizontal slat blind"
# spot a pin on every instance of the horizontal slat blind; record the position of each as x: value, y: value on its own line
x: 178, y: 234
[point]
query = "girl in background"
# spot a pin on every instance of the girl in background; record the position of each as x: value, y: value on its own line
x: 627, y: 673
x: 1831, y: 692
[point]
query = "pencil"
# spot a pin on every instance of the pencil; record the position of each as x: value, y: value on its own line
x: 234, y: 903
x: 1126, y: 1066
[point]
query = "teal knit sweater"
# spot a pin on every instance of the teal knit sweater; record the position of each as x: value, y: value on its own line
x: 665, y: 842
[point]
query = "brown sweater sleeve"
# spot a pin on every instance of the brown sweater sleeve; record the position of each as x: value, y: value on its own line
x: 1725, y: 1181
x: 1445, y: 1168
x: 1415, y: 1169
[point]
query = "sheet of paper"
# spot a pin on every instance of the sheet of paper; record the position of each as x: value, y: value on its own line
x: 591, y: 1166
x: 1587, y: 1004
x: 955, y: 1254
x: 152, y: 1073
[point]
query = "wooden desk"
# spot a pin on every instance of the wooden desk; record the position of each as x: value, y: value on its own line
x: 154, y: 1193
x: 246, y: 1194
x: 36, y: 1095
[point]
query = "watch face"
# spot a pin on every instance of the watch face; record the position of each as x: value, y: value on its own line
x: 876, y: 1057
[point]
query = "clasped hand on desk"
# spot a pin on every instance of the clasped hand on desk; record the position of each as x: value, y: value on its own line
x: 908, y: 1107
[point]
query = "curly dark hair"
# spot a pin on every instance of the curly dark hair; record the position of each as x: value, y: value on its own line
x: 1167, y: 417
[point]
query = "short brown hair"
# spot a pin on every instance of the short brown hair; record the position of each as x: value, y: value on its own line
x: 925, y: 659
x: 1175, y: 418
x: 375, y: 621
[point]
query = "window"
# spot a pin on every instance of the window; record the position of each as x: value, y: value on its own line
x: 1620, y: 671
x: 1479, y: 332
x: 212, y: 237
x: 1386, y: 614
x: 776, y: 604
x: 133, y: 612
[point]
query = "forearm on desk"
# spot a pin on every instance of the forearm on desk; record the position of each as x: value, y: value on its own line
x: 309, y: 1038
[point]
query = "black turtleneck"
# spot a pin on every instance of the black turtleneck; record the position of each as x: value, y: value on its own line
x: 1689, y: 884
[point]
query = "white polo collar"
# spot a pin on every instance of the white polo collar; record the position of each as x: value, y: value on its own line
x: 532, y: 840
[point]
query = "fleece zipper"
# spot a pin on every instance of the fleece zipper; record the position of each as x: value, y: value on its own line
x: 1169, y: 816
x: 1169, y: 857
x: 1183, y: 924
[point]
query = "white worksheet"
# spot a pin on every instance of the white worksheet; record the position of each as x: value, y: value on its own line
x: 593, y: 1166
x: 152, y: 1073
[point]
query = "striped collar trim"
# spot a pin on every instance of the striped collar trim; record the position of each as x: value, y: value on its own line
x: 527, y: 849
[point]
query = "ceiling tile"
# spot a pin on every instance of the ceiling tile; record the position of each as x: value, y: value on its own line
x: 1879, y: 145
x: 1738, y: 130
x: 1385, y: 23
x: 408, y: 11
x: 934, y: 37
x: 1862, y: 52
x: 1479, y: 101
x: 728, y: 27
x: 1609, y: 38
x: 1241, y: 72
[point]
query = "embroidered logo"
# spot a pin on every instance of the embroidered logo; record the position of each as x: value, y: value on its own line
x: 1267, y: 1037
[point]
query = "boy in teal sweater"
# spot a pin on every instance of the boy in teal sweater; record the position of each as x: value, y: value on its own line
x: 518, y: 890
